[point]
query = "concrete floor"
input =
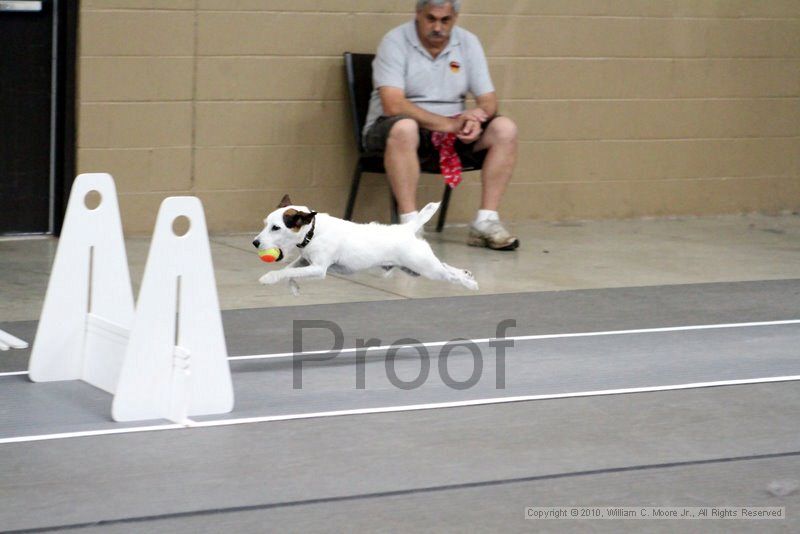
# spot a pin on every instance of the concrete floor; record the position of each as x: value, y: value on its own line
x: 553, y: 256
x: 468, y: 468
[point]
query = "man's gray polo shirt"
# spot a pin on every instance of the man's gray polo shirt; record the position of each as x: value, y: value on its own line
x: 437, y: 85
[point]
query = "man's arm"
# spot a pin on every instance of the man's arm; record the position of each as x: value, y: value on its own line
x: 486, y: 107
x: 488, y: 103
x: 394, y: 102
x: 480, y: 81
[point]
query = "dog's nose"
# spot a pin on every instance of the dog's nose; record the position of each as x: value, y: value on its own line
x: 256, y: 243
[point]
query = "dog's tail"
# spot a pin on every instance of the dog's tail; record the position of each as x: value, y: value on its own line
x: 423, y: 216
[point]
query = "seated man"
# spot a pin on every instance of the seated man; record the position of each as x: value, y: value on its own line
x: 422, y: 72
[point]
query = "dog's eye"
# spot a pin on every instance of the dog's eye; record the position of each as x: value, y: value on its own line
x: 275, y: 228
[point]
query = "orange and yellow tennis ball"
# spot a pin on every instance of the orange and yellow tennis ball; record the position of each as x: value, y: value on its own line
x: 269, y: 255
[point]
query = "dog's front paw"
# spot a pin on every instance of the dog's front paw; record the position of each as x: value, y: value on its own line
x: 271, y: 277
x: 294, y: 287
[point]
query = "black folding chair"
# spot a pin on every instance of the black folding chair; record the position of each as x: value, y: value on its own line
x: 359, y: 85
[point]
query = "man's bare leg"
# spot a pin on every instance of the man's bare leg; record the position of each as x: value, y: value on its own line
x: 500, y: 138
x: 402, y: 164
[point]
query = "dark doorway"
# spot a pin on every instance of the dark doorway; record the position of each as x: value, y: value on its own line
x: 37, y: 140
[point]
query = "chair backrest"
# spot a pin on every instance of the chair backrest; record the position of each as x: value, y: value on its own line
x: 359, y: 86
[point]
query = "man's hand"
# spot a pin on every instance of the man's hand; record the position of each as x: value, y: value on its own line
x: 466, y: 126
x: 470, y: 131
x: 476, y: 114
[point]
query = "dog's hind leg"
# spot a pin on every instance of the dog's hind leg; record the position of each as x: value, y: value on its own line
x: 429, y: 266
x: 463, y: 276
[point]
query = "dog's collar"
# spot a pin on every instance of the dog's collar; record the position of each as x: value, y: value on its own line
x: 309, y: 235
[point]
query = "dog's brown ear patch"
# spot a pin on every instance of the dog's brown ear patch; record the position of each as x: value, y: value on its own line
x: 285, y: 201
x: 295, y: 220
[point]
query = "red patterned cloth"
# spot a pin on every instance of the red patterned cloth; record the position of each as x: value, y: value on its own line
x: 449, y: 162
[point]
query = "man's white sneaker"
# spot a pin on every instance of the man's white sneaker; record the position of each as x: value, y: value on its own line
x: 492, y: 234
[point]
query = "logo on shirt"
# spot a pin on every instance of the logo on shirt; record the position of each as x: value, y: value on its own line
x: 455, y: 66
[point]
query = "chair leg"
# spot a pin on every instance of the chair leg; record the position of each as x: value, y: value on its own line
x: 395, y: 214
x: 443, y: 207
x: 351, y: 201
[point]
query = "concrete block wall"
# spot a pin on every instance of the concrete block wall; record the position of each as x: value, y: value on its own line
x: 626, y: 108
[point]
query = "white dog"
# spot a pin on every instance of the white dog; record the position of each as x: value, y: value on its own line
x: 330, y: 244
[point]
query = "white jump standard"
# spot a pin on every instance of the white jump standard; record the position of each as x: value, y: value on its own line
x: 165, y: 358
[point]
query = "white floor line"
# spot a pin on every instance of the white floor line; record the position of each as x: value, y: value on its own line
x: 530, y: 338
x: 279, y: 355
x: 89, y: 433
x: 406, y: 408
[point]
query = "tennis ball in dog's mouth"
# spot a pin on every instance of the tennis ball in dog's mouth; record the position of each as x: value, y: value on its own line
x: 269, y: 255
